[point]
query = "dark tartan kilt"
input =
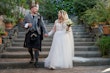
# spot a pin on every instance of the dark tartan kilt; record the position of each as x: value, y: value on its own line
x: 28, y: 43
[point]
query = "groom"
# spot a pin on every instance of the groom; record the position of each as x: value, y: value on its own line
x: 34, y: 24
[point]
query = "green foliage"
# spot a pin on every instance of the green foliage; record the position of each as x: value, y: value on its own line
x: 104, y: 44
x: 102, y: 11
x: 8, y: 20
x: 90, y: 16
x: 81, y: 6
x: 65, y: 5
x: 49, y: 8
x: 99, y: 13
x: 7, y: 7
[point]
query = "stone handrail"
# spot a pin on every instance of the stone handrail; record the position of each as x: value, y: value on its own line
x: 95, y: 32
x: 12, y: 34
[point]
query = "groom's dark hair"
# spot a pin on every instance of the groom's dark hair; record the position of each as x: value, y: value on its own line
x: 32, y: 6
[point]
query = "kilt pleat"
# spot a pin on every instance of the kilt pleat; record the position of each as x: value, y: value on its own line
x: 28, y: 43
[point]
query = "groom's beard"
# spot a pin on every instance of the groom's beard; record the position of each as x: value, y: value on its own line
x: 35, y: 12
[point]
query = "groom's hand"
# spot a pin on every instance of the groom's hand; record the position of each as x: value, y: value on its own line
x: 29, y: 24
x: 46, y: 35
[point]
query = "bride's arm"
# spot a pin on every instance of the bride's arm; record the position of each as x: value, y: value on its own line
x: 53, y: 30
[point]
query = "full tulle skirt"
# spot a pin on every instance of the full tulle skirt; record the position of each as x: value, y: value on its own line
x: 61, y: 51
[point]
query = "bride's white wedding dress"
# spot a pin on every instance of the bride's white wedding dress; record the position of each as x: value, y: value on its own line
x: 62, y: 48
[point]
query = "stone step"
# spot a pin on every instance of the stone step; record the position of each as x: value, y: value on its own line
x: 80, y: 33
x: 73, y: 29
x: 75, y: 33
x: 49, y: 43
x: 81, y: 36
x: 75, y: 36
x: 50, y: 40
x: 93, y: 62
x: 75, y: 26
x: 48, y: 29
x: 45, y: 54
x: 24, y: 63
x: 47, y: 48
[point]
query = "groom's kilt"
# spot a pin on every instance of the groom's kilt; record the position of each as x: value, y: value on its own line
x: 28, y: 43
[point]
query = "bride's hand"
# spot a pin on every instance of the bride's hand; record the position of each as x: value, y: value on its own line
x: 67, y: 29
x: 50, y: 33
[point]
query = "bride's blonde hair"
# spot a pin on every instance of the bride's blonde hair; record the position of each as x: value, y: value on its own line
x: 64, y: 15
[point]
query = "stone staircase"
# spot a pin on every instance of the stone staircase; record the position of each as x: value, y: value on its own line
x: 16, y: 56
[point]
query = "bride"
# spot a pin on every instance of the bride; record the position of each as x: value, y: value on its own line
x: 62, y: 48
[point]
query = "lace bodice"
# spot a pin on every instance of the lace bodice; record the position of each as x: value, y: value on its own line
x: 60, y: 26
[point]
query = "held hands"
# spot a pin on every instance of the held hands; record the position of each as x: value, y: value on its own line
x: 46, y: 35
x: 49, y: 33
